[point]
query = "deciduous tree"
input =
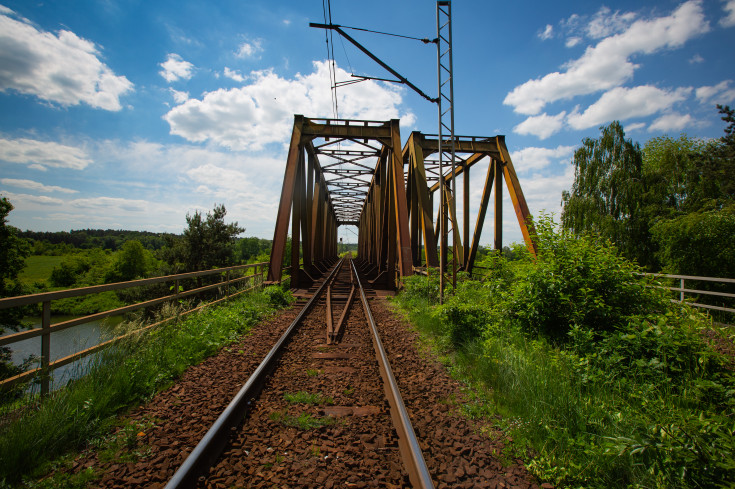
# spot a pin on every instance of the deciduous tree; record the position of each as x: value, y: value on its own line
x: 13, y: 252
x: 208, y: 242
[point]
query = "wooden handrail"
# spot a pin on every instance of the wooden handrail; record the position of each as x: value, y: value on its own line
x: 47, y: 328
x: 25, y: 300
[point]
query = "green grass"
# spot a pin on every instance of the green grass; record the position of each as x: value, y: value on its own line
x: 618, y: 415
x: 598, y: 378
x: 120, y: 377
x: 303, y: 397
x: 303, y: 421
x: 38, y: 269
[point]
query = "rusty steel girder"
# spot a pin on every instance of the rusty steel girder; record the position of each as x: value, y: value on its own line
x: 351, y: 172
x: 423, y: 182
x: 343, y: 172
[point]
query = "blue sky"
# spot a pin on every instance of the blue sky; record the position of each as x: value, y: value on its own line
x: 129, y: 114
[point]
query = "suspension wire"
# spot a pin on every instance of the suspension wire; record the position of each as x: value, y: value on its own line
x: 334, y: 67
x: 424, y: 40
x: 345, y: 51
x: 330, y: 64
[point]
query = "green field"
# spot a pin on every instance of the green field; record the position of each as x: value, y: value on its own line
x: 38, y: 268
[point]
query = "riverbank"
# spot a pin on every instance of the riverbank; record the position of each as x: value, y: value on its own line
x: 123, y: 376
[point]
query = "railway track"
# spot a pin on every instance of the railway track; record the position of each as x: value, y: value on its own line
x: 322, y: 410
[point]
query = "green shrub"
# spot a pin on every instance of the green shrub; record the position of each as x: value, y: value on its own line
x: 578, y: 280
x: 603, y: 379
x: 465, y: 313
x: 420, y: 288
x: 700, y: 243
x: 278, y: 296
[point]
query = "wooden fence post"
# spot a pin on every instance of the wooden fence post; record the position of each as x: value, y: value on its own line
x: 45, y: 348
x: 681, y: 296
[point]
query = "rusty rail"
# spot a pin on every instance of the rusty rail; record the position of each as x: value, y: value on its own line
x: 211, y: 445
x: 337, y: 330
x: 408, y: 444
x: 47, y: 328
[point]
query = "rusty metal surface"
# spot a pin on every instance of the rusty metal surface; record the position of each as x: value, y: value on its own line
x: 351, y: 172
x: 209, y: 448
x: 407, y: 441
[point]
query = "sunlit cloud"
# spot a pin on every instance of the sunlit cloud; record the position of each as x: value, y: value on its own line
x: 175, y: 68
x: 61, y: 68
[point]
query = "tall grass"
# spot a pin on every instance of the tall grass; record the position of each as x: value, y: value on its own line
x: 122, y: 376
x: 595, y: 391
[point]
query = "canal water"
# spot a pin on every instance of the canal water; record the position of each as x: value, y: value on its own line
x: 64, y: 343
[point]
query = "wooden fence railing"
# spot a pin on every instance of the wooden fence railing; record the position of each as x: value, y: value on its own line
x: 231, y: 277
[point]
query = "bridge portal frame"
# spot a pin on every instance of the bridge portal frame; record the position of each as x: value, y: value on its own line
x: 316, y: 206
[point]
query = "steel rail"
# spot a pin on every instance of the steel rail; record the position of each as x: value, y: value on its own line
x: 211, y: 445
x: 408, y: 444
x: 337, y: 330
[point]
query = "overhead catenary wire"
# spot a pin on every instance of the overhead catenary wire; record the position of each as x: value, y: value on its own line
x: 327, y: 13
x: 424, y: 40
x: 334, y: 64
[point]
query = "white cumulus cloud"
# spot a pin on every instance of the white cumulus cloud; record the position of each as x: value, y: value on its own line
x: 175, y: 68
x: 249, y: 49
x: 533, y: 158
x: 261, y: 112
x: 542, y: 126
x: 635, y: 126
x: 179, y: 96
x: 624, y: 103
x: 234, y: 75
x: 22, y: 201
x: 31, y: 185
x: 547, y: 33
x: 608, y: 64
x: 606, y: 23
x: 671, y: 122
x: 729, y: 19
x: 721, y: 93
x: 61, y: 68
x: 43, y: 154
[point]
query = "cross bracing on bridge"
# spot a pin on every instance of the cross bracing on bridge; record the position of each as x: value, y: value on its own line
x: 355, y: 172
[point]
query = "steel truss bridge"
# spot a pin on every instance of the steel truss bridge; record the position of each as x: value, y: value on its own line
x: 355, y: 172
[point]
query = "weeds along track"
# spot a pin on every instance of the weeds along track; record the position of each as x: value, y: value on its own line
x: 322, y: 418
x: 328, y: 413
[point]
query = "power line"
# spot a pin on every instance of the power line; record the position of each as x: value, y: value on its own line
x: 330, y: 59
x: 334, y: 67
x: 424, y: 40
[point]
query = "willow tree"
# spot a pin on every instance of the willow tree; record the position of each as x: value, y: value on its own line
x: 607, y: 196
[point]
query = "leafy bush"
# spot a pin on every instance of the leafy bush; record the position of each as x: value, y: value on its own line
x: 578, y: 281
x: 420, y: 288
x: 278, y: 297
x: 604, y: 380
x: 465, y: 313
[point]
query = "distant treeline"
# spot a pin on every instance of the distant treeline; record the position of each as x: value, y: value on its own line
x: 86, y: 239
x: 63, y: 242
